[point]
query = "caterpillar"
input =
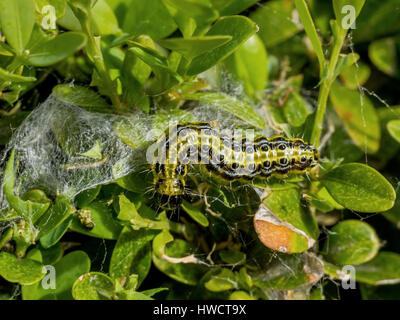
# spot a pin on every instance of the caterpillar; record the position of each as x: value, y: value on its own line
x: 221, y: 154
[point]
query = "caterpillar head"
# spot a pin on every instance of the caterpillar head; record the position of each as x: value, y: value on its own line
x: 170, y: 192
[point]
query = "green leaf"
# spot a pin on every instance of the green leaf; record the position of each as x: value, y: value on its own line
x: 104, y: 20
x: 389, y: 147
x: 24, y: 271
x: 94, y: 152
x: 241, y: 295
x: 355, y: 75
x: 16, y: 78
x: 151, y: 17
x: 56, y: 49
x: 358, y: 116
x: 135, y: 68
x: 351, y: 242
x: 309, y: 27
x: 230, y: 7
x: 188, y: 273
x: 383, y: 55
x: 239, y: 28
x: 194, y: 46
x: 360, y: 188
x: 67, y: 270
x: 394, y: 129
x: 86, y: 197
x: 340, y: 12
x: 105, y: 226
x: 275, y: 21
x: 384, y: 269
x: 232, y: 257
x: 195, y: 213
x: 79, y: 96
x: 56, y: 215
x: 230, y: 104
x: 393, y: 214
x: 59, y: 6
x: 17, y: 19
x: 283, y: 225
x: 249, y: 64
x: 191, y: 16
x: 152, y: 58
x: 30, y: 211
x: 346, y: 61
x: 93, y: 286
x: 223, y: 281
x: 132, y: 254
x: 296, y: 109
x: 54, y: 236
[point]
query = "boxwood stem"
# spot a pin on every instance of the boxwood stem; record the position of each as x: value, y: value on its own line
x: 325, y: 88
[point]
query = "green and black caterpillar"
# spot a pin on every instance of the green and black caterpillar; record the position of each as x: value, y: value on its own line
x: 222, y: 155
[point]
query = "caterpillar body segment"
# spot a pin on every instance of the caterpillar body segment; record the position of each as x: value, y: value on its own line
x: 222, y: 155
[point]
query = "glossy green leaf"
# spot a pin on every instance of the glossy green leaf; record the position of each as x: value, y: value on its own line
x: 152, y: 58
x: 351, y: 242
x: 283, y: 224
x: 132, y: 254
x: 229, y: 7
x: 16, y: 78
x: 339, y: 7
x: 224, y: 280
x: 275, y: 21
x: 25, y: 271
x: 93, y: 286
x: 105, y: 225
x: 355, y: 75
x: 394, y: 129
x: 384, y: 269
x: 152, y: 17
x: 191, y: 16
x: 389, y: 147
x: 79, y: 95
x: 194, y: 46
x: 58, y: 5
x: 383, y: 54
x: 29, y: 210
x: 232, y: 257
x: 56, y: 49
x: 55, y: 235
x: 103, y: 18
x: 67, y: 270
x: 56, y: 215
x: 296, y: 109
x: 249, y: 64
x: 164, y: 245
x: 346, y: 61
x: 309, y: 27
x: 230, y: 104
x: 239, y: 28
x: 195, y: 213
x: 358, y: 116
x: 360, y: 188
x: 17, y: 19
